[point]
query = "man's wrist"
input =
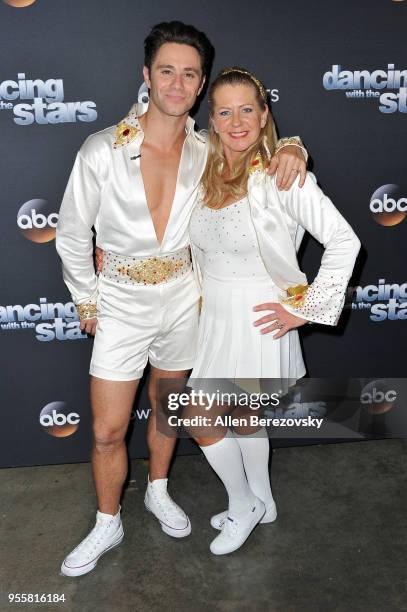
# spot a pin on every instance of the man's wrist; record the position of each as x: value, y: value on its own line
x: 294, y: 141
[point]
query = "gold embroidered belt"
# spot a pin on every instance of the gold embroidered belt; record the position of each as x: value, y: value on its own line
x: 152, y: 270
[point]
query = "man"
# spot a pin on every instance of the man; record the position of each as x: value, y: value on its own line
x: 136, y: 183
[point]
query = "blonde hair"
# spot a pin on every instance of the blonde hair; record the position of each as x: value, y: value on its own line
x: 216, y: 185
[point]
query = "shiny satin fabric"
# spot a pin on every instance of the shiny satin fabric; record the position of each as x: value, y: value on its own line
x: 140, y: 323
x: 280, y: 219
x: 106, y: 190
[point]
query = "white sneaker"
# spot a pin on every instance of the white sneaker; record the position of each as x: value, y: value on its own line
x: 106, y: 534
x: 173, y: 520
x: 270, y: 515
x: 235, y: 531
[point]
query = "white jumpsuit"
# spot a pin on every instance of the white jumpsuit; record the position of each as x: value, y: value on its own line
x: 136, y: 322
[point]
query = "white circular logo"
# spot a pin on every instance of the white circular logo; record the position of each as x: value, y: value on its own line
x: 377, y: 397
x: 37, y: 221
x: 388, y: 205
x: 57, y: 420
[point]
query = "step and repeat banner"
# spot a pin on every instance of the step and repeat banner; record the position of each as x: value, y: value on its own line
x: 337, y: 76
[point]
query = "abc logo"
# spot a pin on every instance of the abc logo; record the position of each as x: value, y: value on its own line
x: 37, y: 221
x: 57, y: 421
x: 143, y: 94
x: 388, y: 206
x: 377, y: 398
x: 19, y: 3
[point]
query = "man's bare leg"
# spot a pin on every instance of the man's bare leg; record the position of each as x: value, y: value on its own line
x: 112, y: 402
x: 172, y: 518
x: 161, y: 447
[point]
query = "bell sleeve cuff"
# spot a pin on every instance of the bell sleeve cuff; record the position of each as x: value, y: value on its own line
x: 322, y: 301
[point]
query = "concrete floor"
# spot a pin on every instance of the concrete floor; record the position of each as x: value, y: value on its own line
x: 339, y: 543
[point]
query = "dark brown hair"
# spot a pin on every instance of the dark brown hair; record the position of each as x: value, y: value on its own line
x: 178, y: 32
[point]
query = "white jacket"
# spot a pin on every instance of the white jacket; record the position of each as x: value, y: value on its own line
x: 280, y: 219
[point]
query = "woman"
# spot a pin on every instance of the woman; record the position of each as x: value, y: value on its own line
x: 245, y: 234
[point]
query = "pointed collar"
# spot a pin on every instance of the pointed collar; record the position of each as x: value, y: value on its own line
x: 129, y: 128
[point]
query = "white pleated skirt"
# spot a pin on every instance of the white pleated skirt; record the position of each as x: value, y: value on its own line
x: 229, y: 346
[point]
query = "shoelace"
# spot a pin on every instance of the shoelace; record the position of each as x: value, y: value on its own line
x: 93, y: 539
x: 167, y: 505
x: 230, y: 527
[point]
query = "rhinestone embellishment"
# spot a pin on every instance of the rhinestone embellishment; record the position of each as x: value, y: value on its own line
x: 125, y: 133
x: 86, y: 311
x: 296, y: 296
x: 152, y: 271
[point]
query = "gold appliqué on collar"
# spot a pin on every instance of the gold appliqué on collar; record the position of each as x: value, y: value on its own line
x: 125, y: 133
x: 257, y: 164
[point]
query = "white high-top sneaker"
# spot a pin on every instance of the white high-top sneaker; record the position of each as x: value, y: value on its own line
x: 173, y: 520
x: 107, y: 533
x: 270, y: 515
x: 236, y: 530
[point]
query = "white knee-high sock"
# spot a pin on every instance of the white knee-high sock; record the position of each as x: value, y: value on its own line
x: 226, y: 459
x: 255, y: 453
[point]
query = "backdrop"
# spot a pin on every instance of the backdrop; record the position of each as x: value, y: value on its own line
x: 337, y: 76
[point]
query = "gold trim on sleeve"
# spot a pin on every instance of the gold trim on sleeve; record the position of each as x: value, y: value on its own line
x: 86, y: 311
x: 296, y: 296
x: 293, y: 140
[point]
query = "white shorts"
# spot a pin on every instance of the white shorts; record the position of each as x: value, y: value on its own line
x: 140, y: 323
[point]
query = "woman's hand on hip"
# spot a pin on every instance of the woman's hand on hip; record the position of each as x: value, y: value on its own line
x: 281, y: 320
